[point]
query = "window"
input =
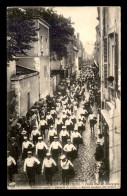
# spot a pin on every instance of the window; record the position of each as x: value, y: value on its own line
x: 105, y: 60
x: 28, y: 100
x: 41, y: 43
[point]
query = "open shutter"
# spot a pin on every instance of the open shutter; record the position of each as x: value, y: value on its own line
x: 116, y: 38
x: 105, y: 61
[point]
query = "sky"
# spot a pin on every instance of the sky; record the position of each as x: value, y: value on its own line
x: 85, y: 23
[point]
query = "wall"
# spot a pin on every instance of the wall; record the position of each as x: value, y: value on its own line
x: 22, y: 88
x: 44, y: 76
x: 55, y: 65
x: 11, y: 70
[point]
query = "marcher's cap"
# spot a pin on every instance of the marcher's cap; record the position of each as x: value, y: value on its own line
x: 75, y: 129
x: 58, y: 116
x: 63, y: 127
x: 48, y: 154
x: 12, y: 138
x: 51, y: 126
x: 8, y: 151
x: 35, y: 126
x: 29, y: 152
x: 23, y: 132
x: 40, y: 138
x: 62, y: 157
x: 25, y: 137
x: 68, y: 140
x: 55, y: 137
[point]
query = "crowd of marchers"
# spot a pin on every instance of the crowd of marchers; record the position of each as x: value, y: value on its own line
x: 59, y: 122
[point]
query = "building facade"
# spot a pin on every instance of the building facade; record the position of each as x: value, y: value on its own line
x: 38, y: 58
x: 109, y: 58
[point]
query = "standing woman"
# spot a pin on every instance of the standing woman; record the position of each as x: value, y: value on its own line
x: 66, y: 172
x: 48, y: 167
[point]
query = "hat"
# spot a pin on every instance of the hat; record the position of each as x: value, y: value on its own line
x: 8, y: 151
x: 29, y: 152
x: 12, y: 138
x: 51, y: 126
x: 75, y: 129
x: 25, y: 137
x: 55, y: 137
x: 23, y: 132
x: 62, y: 157
x: 63, y: 127
x: 40, y: 138
x: 35, y: 126
x: 68, y: 140
x: 48, y: 154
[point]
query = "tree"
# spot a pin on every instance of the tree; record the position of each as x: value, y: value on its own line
x: 61, y: 30
x: 20, y: 33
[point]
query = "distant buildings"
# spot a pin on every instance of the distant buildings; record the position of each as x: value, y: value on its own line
x: 108, y: 57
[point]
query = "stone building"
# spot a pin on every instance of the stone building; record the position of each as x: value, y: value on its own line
x: 38, y: 58
x: 110, y: 69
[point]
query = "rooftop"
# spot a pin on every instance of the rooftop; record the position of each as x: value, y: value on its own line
x: 23, y: 76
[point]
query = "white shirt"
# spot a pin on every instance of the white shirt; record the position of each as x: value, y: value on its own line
x: 40, y: 146
x: 34, y: 133
x: 65, y: 165
x: 58, y: 122
x: 69, y: 147
x: 49, y: 117
x: 52, y: 132
x: 52, y: 112
x: 64, y: 116
x: 68, y: 122
x: 48, y: 163
x: 79, y: 123
x: 75, y: 135
x: 63, y: 133
x: 10, y: 160
x: 55, y: 145
x: 73, y: 117
x: 43, y: 122
x: 26, y: 144
x: 30, y: 162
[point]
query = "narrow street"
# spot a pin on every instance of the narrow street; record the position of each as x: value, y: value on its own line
x: 84, y: 165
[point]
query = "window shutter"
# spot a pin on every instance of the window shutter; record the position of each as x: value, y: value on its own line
x: 116, y: 60
x: 105, y: 60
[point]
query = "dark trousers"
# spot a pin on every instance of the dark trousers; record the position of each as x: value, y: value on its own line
x: 59, y: 127
x: 64, y: 140
x: 55, y: 154
x: 31, y: 175
x: 41, y: 155
x: 24, y: 154
x: 35, y: 139
x: 51, y: 139
x: 76, y: 143
x: 65, y: 176
x: 48, y: 175
x: 43, y: 127
x: 10, y: 172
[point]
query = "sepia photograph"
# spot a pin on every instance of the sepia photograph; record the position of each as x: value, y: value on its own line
x: 63, y: 97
